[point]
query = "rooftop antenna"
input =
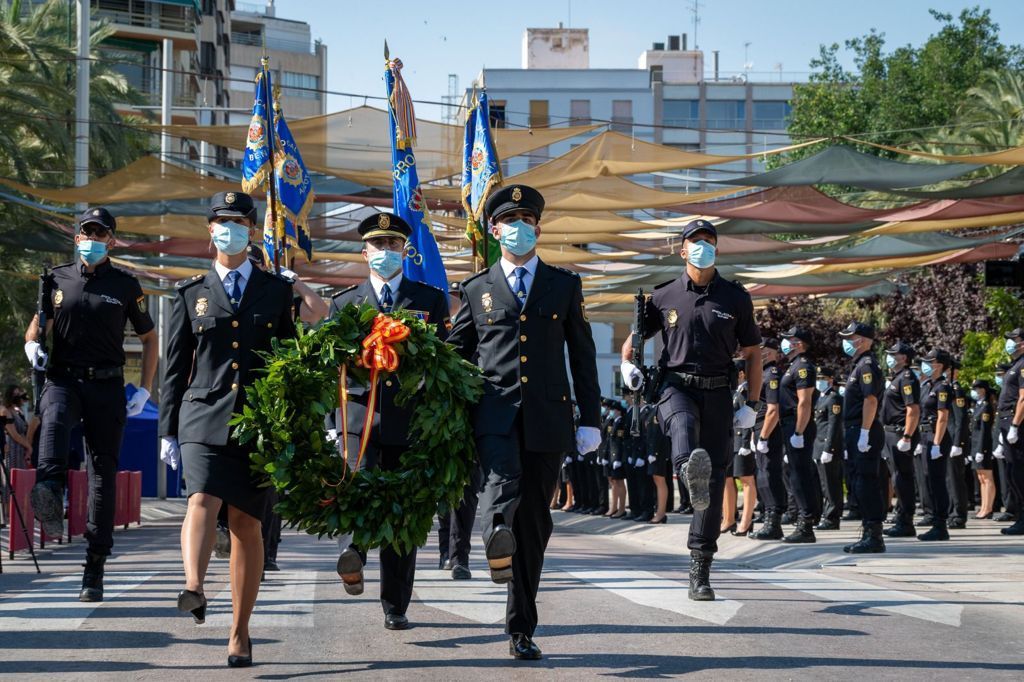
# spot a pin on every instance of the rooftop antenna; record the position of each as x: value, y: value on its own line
x: 747, y: 64
x: 695, y: 7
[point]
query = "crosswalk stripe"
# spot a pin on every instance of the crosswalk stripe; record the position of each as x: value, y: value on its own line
x: 478, y: 600
x: 651, y: 590
x: 846, y: 591
x: 286, y: 601
x: 52, y: 604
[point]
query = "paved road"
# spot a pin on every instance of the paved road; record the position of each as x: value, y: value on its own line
x: 611, y: 605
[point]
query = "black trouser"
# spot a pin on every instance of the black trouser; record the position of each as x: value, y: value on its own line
x: 101, y: 407
x: 903, y: 464
x: 696, y: 418
x: 937, y: 473
x: 1011, y: 504
x: 1013, y: 454
x: 397, y: 571
x: 600, y: 484
x: 517, y: 488
x: 957, y: 486
x: 684, y: 494
x: 455, y: 526
x: 771, y: 485
x: 921, y: 478
x: 802, y: 480
x: 831, y: 478
x: 864, y: 466
x: 852, y: 503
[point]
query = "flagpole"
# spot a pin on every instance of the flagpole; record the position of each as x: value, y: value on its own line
x: 272, y: 182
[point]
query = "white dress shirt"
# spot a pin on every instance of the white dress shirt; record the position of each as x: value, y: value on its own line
x: 244, y: 273
x: 378, y: 285
x: 509, y: 269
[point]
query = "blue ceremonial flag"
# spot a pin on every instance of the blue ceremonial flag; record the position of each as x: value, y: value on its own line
x: 295, y: 193
x: 480, y: 173
x: 256, y: 157
x: 423, y: 259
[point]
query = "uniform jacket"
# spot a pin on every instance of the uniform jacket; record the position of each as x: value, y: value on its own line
x: 960, y: 417
x: 432, y: 304
x: 212, y: 350
x: 828, y: 416
x: 983, y: 417
x: 522, y: 355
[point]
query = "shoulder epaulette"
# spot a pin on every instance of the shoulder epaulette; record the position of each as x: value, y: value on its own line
x: 185, y: 283
x: 564, y: 271
x: 664, y: 284
x: 344, y: 291
x: 62, y: 265
x: 431, y: 287
x: 473, y: 277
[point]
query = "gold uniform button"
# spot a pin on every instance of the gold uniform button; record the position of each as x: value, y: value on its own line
x: 563, y: 398
x: 234, y: 344
x: 234, y: 365
x: 388, y: 382
x: 524, y: 379
x: 234, y: 323
x: 234, y: 387
x: 270, y: 325
x: 190, y: 396
x: 522, y: 318
x: 555, y: 316
x: 522, y: 358
x: 522, y: 338
x: 200, y: 327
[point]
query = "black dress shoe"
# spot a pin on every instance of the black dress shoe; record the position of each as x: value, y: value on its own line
x: 1016, y: 529
x: 241, y: 661
x: 194, y: 603
x: 523, y: 648
x: 442, y: 563
x: 852, y: 516
x: 350, y: 568
x: 825, y: 524
x: 643, y: 518
x: 1004, y: 517
x: 270, y: 565
x: 926, y: 522
x: 461, y: 573
x: 900, y: 530
x: 396, y: 621
x: 92, y: 578
x: 937, y: 532
x: 957, y: 523
x: 500, y: 548
x: 688, y: 509
x: 600, y: 511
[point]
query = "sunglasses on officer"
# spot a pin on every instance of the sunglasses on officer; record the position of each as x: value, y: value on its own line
x: 95, y: 231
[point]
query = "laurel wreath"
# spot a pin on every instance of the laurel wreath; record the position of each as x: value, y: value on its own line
x: 283, y: 421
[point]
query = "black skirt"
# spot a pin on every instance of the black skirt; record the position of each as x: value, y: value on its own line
x: 743, y: 466
x: 224, y: 472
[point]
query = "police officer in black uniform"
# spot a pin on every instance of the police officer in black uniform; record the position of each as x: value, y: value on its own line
x: 901, y: 412
x: 829, y: 448
x: 957, y: 465
x: 703, y: 319
x: 87, y: 304
x: 1006, y: 492
x: 767, y: 442
x: 936, y: 436
x: 864, y: 436
x: 384, y: 237
x: 1011, y: 420
x: 518, y: 319
x: 796, y: 393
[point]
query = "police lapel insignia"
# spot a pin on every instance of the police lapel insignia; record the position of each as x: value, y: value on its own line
x: 202, y: 305
x: 486, y: 302
x: 672, y: 317
x: 58, y: 297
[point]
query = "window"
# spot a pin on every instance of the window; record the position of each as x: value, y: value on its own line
x: 771, y: 115
x: 207, y: 58
x: 539, y: 113
x: 242, y: 77
x: 622, y: 116
x: 497, y: 109
x: 579, y: 112
x: 310, y: 84
x: 726, y: 114
x: 683, y: 113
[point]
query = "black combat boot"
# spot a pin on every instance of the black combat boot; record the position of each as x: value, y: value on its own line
x: 871, y: 541
x: 902, y: 529
x: 700, y: 576
x: 771, y: 530
x: 92, y: 578
x: 804, y: 533
x: 937, y: 532
x: 1016, y: 529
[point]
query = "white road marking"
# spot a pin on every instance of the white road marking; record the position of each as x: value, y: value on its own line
x: 648, y: 589
x: 285, y: 601
x: 52, y: 603
x: 845, y: 591
x: 478, y: 599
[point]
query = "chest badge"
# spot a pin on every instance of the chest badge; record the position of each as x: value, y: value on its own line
x: 486, y: 302
x: 202, y: 305
x: 58, y: 298
x: 672, y: 317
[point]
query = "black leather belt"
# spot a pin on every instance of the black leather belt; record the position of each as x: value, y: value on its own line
x: 1007, y: 413
x: 696, y: 381
x: 86, y: 373
x: 895, y: 428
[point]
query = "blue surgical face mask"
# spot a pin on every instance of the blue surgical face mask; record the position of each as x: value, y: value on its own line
x: 926, y: 369
x: 785, y: 346
x: 849, y: 348
x: 700, y: 254
x: 230, y: 238
x: 999, y: 380
x: 92, y: 251
x: 821, y: 385
x: 385, y: 263
x: 974, y: 395
x: 1010, y: 346
x: 519, y: 237
x: 890, y: 361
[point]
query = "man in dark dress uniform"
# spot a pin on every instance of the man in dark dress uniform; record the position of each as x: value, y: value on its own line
x: 703, y: 320
x: 767, y: 443
x: 900, y: 414
x: 1011, y: 420
x: 829, y: 448
x: 518, y: 319
x: 796, y: 392
x: 87, y: 304
x: 384, y: 236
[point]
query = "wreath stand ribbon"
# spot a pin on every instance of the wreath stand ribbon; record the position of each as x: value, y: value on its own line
x: 378, y: 355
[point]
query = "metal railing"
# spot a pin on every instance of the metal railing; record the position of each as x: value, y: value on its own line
x: 183, y: 21
x: 256, y: 40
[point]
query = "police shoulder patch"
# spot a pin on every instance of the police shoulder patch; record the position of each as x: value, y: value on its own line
x: 802, y: 373
x: 986, y: 417
x: 141, y: 303
x: 836, y: 409
x: 773, y: 383
x: 943, y: 396
x: 866, y: 377
x: 908, y: 389
x: 960, y: 402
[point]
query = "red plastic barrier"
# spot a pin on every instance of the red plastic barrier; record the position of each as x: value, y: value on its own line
x: 135, y: 498
x: 78, y: 502
x: 22, y: 481
x: 121, y: 505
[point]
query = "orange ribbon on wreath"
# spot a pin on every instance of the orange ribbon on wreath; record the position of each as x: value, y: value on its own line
x: 379, y: 355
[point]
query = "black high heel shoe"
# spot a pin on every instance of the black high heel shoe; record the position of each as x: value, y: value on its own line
x: 740, y: 533
x: 620, y: 515
x: 730, y: 529
x: 663, y: 519
x: 241, y: 661
x: 986, y: 516
x: 194, y: 603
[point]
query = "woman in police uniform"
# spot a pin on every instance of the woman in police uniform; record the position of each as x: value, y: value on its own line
x: 220, y: 323
x: 983, y: 415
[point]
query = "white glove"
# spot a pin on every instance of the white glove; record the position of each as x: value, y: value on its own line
x: 639, y: 462
x: 753, y: 442
x: 588, y: 439
x: 797, y: 441
x: 632, y: 377
x: 568, y: 460
x: 956, y: 451
x: 862, y: 443
x: 744, y: 417
x: 826, y: 457
x: 617, y: 464
x: 785, y: 459
x: 36, y: 357
x: 920, y: 449
x: 762, y: 445
x: 998, y: 452
x: 744, y: 452
x: 579, y: 457
x: 903, y: 445
x: 170, y: 453
x: 137, y: 402
x: 846, y: 455
x: 332, y: 435
x: 936, y: 452
x: 1012, y: 436
x: 979, y: 458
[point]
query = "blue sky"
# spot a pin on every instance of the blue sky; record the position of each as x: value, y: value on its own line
x: 435, y: 38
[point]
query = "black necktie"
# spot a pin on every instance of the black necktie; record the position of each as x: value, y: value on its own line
x: 236, y: 289
x: 386, y: 300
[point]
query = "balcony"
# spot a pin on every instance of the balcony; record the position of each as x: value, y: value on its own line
x: 148, y: 16
x: 279, y: 44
